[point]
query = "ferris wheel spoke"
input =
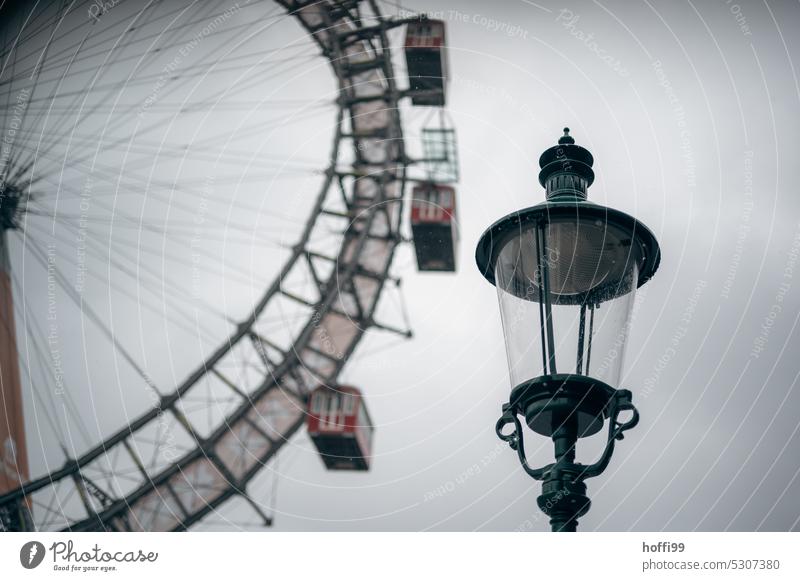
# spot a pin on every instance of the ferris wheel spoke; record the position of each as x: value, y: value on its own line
x: 108, y: 34
x: 100, y: 38
x: 205, y: 153
x: 169, y: 228
x: 189, y: 72
x: 121, y: 142
x: 28, y: 163
x: 194, y: 71
x: 92, y: 315
x: 30, y: 34
x: 231, y: 271
x: 77, y: 97
x: 101, y: 252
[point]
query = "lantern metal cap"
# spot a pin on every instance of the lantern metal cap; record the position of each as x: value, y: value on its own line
x: 566, y: 138
x: 498, y: 234
x: 566, y: 158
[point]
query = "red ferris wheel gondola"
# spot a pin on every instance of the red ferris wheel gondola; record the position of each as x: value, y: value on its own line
x: 433, y: 224
x: 340, y: 427
x: 426, y: 57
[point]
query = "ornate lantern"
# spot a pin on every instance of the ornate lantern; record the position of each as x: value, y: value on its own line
x: 566, y: 273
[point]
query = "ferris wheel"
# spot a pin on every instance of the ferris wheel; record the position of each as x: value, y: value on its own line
x: 141, y: 209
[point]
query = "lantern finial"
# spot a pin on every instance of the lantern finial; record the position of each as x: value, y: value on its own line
x: 566, y: 170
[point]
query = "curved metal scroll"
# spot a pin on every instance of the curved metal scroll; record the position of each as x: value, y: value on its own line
x: 620, y: 402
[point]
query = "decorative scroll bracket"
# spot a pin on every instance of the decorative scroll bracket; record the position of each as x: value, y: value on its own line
x: 563, y: 490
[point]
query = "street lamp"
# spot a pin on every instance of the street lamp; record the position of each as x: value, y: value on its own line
x: 566, y: 273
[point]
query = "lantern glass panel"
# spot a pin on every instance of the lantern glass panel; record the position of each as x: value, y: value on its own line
x: 566, y: 289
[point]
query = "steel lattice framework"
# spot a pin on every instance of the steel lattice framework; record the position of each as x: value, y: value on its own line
x: 352, y: 35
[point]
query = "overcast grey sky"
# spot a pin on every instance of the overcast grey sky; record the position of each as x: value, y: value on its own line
x: 690, y: 110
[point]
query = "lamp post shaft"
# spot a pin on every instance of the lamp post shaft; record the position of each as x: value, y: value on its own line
x: 563, y: 496
x: 564, y: 440
x: 13, y: 453
x: 560, y: 525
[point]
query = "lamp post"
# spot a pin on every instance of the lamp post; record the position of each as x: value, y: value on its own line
x: 566, y: 273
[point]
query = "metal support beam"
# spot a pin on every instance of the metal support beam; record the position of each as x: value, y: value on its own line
x: 13, y: 447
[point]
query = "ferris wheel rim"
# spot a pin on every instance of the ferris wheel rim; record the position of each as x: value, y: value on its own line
x: 169, y: 401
